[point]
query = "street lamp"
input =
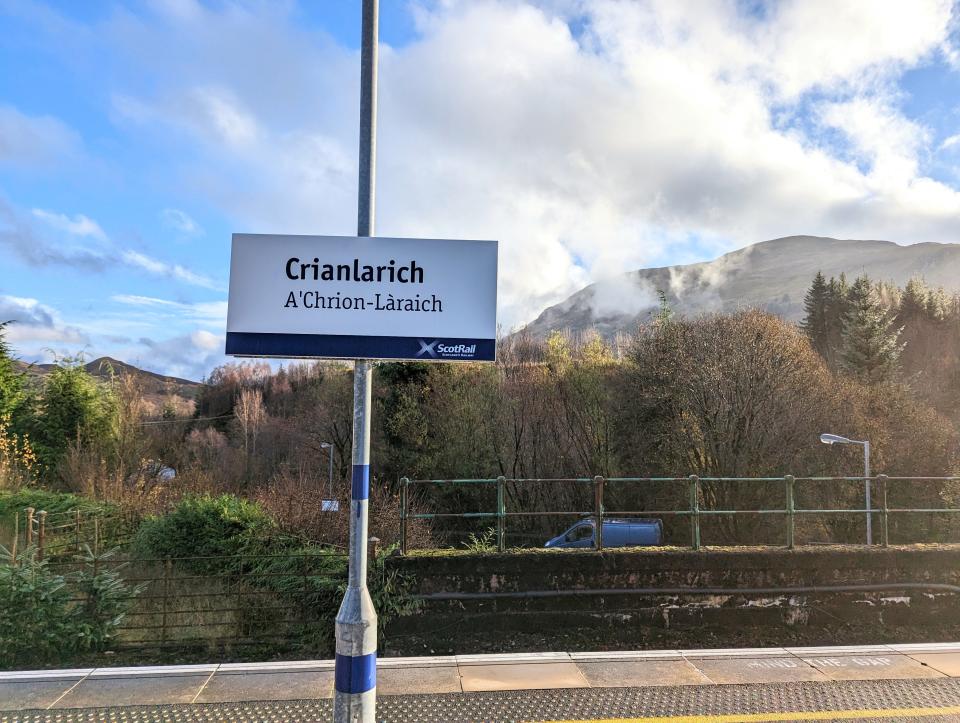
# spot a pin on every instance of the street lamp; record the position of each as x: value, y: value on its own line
x: 329, y: 505
x: 836, y: 439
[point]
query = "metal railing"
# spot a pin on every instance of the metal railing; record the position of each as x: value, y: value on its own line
x: 693, y: 510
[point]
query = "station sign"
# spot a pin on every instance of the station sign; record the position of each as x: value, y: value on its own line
x: 341, y: 297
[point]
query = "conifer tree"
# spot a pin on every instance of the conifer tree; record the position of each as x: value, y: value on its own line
x: 664, y: 314
x: 871, y: 347
x: 11, y: 378
x: 913, y: 302
x: 815, y: 322
x: 837, y: 305
x: 938, y: 305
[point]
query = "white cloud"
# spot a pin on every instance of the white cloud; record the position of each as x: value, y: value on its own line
x: 212, y: 312
x: 821, y: 43
x: 181, y: 222
x: 190, y: 356
x: 880, y: 136
x: 950, y: 142
x: 34, y: 323
x: 79, y: 225
x: 85, y: 245
x: 206, y: 341
x: 214, y: 113
x: 656, y: 129
x: 162, y: 268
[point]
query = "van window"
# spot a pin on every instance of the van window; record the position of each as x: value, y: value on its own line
x: 583, y: 532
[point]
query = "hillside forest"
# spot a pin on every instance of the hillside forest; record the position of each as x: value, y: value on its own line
x: 725, y: 395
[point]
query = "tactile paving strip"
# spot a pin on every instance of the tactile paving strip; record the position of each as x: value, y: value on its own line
x: 543, y: 705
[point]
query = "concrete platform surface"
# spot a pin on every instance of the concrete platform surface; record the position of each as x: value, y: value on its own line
x: 199, y: 685
x: 870, y: 700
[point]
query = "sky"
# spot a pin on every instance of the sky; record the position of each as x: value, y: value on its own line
x: 589, y: 137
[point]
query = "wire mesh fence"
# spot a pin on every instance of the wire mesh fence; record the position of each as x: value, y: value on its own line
x: 215, y: 603
x: 69, y: 532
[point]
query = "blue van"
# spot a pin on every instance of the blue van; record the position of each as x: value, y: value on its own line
x: 617, y: 532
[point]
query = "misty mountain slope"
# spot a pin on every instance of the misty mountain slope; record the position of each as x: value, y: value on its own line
x: 773, y: 275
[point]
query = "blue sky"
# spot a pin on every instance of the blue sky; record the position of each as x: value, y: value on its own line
x: 590, y: 137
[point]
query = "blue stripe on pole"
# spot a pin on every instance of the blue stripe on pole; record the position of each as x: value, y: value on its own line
x: 361, y: 482
x: 355, y: 674
x: 345, y: 346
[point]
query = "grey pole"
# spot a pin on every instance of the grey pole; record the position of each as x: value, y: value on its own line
x: 866, y: 473
x: 355, y: 677
x: 330, y: 452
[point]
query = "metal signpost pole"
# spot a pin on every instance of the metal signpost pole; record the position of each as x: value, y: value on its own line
x: 330, y: 475
x: 356, y: 626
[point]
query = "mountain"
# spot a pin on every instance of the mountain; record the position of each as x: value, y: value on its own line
x: 153, y: 384
x: 773, y: 275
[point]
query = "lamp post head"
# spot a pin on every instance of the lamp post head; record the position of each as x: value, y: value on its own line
x: 325, y: 445
x: 834, y: 439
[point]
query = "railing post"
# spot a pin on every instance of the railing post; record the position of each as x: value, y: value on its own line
x: 29, y: 512
x: 41, y: 532
x: 884, y: 516
x: 598, y: 507
x: 501, y: 515
x: 789, y: 479
x: 404, y: 485
x: 694, y: 512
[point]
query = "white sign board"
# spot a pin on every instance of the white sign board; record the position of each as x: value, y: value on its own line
x: 362, y: 298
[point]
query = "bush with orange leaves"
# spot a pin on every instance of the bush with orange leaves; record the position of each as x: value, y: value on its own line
x: 18, y: 462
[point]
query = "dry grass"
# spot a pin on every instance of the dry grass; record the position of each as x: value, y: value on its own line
x: 295, y: 501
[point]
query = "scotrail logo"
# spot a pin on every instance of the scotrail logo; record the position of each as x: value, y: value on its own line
x: 435, y: 350
x: 427, y: 348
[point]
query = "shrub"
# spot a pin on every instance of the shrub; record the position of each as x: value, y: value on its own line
x: 207, y: 526
x: 36, y: 623
x: 18, y: 462
x: 105, y: 600
x: 50, y: 616
x: 238, y: 540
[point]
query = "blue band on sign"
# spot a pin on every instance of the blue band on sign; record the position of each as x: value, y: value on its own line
x: 361, y: 482
x: 346, y: 346
x: 355, y: 674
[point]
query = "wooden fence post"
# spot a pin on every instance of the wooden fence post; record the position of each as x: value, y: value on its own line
x: 16, y: 539
x: 41, y: 532
x: 76, y: 531
x: 29, y: 512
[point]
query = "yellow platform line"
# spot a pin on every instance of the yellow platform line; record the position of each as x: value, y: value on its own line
x: 796, y: 715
